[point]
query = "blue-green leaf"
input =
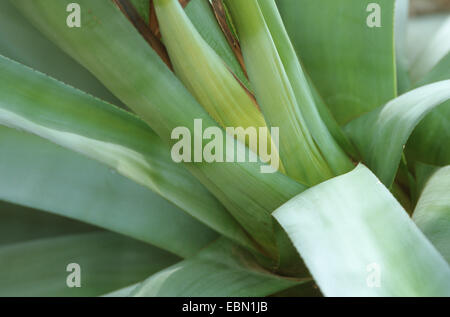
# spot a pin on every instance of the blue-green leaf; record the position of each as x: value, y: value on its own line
x: 359, y: 241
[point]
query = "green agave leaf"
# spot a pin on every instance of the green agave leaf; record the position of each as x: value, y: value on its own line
x: 432, y: 212
x: 362, y: 247
x: 222, y: 269
x: 206, y: 75
x: 160, y: 99
x: 107, y: 262
x: 40, y: 105
x: 202, y: 17
x: 335, y: 157
x: 276, y: 27
x: 299, y: 153
x: 425, y: 143
x: 437, y: 48
x: 20, y: 41
x: 381, y: 134
x: 83, y: 189
x: 352, y: 65
x: 19, y: 224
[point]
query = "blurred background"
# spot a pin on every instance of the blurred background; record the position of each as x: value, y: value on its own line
x: 419, y: 7
x: 426, y: 17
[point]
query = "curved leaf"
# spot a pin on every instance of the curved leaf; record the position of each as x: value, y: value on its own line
x: 432, y: 213
x: 360, y: 242
x: 107, y: 261
x: 301, y: 157
x: 335, y: 157
x: 381, y: 134
x: 425, y: 143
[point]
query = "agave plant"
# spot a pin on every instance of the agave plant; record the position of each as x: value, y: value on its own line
x: 93, y: 202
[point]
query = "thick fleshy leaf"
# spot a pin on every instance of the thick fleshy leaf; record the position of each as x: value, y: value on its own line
x: 360, y: 242
x: 154, y: 92
x: 19, y: 224
x: 432, y: 213
x: 146, y: 212
x: 299, y: 153
x: 80, y: 188
x: 107, y: 261
x: 222, y: 269
x: 381, y: 134
x: 207, y: 77
x: 333, y: 154
x: 351, y: 64
x: 425, y: 143
x: 43, y: 106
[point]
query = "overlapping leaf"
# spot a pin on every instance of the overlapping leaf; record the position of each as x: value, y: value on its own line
x: 360, y: 241
x: 119, y: 48
x: 208, y: 78
x: 425, y: 143
x: 306, y: 99
x: 299, y: 153
x: 382, y: 134
x: 43, y: 106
